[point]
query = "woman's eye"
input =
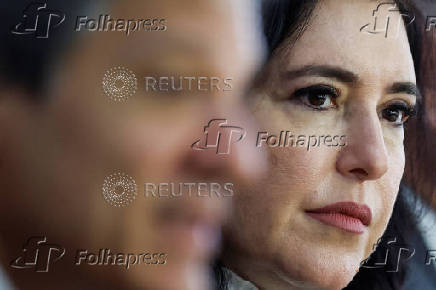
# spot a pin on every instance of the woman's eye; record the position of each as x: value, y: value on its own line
x: 319, y: 97
x: 398, y: 114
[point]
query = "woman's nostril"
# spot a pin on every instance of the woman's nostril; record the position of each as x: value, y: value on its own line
x: 359, y: 172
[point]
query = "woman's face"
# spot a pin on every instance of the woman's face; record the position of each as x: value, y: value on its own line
x: 337, y: 81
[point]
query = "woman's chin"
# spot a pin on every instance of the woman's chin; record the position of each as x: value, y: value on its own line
x: 320, y: 271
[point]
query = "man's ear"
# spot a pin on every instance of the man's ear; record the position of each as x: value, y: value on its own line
x: 15, y: 112
x: 17, y: 120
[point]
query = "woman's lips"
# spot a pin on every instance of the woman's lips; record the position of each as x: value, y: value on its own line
x: 348, y: 216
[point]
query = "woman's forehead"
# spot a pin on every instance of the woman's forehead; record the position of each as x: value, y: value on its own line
x: 334, y: 37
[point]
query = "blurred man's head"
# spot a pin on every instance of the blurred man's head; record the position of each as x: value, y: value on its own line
x: 58, y: 151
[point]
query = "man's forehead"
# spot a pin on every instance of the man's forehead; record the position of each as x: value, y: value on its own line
x: 170, y: 8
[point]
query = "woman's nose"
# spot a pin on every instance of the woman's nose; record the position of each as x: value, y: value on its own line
x: 365, y: 155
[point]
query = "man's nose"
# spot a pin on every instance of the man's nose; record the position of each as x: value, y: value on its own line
x: 222, y: 148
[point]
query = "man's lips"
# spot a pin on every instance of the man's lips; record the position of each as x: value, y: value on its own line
x: 190, y: 227
x: 349, y: 216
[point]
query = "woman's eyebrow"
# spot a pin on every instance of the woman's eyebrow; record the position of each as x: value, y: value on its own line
x: 328, y: 71
x: 404, y: 88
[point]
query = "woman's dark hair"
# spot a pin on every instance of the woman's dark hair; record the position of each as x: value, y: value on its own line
x: 286, y: 20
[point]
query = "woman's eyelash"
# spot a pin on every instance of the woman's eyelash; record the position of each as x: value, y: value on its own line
x: 409, y: 110
x: 317, y: 97
x: 323, y: 97
x: 317, y: 90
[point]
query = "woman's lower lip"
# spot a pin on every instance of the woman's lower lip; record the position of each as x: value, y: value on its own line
x: 341, y: 221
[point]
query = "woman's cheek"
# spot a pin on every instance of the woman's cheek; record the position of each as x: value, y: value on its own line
x: 389, y: 184
x: 387, y: 188
x: 396, y: 163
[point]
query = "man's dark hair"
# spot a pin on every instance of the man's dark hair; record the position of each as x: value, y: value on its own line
x: 26, y: 61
